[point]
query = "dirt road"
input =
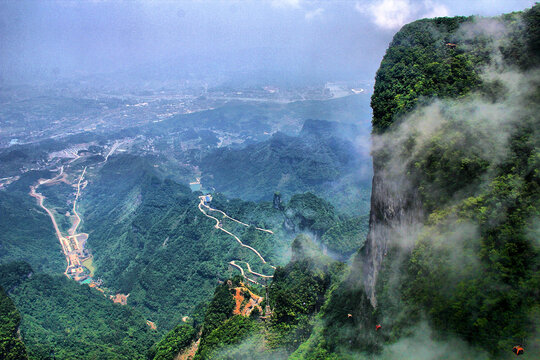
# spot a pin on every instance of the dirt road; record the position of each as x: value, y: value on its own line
x: 63, y: 241
x: 77, y: 221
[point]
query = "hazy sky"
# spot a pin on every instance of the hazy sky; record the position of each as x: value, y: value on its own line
x: 333, y: 39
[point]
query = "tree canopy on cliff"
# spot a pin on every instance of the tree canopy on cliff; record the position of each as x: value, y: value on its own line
x: 461, y: 122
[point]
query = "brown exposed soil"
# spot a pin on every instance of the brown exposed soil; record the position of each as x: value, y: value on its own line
x: 189, y: 353
x: 241, y: 306
x: 120, y: 299
x: 151, y: 324
x: 239, y: 299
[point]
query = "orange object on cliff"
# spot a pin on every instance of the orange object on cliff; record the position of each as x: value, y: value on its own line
x: 518, y: 350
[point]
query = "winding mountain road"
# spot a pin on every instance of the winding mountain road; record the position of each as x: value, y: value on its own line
x: 71, y: 245
x: 63, y: 241
x: 238, y: 221
x: 256, y: 273
x: 76, y: 223
x: 233, y: 263
x: 41, y: 199
x: 220, y: 227
x: 113, y: 148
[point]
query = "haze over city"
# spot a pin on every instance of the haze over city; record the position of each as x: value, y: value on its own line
x: 307, y: 39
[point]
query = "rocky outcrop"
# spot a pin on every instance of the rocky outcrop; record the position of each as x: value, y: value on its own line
x: 276, y: 202
x: 395, y: 204
x: 394, y: 209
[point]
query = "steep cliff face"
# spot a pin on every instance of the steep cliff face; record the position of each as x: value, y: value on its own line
x: 411, y: 58
x: 455, y: 196
x: 395, y: 207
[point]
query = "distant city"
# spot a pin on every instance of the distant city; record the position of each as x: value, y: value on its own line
x: 32, y: 113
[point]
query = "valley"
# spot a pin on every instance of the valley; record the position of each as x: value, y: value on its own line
x: 78, y: 257
x: 122, y: 215
x: 216, y: 180
x: 73, y: 243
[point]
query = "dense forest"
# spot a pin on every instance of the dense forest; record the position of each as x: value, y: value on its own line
x: 64, y: 320
x: 173, y: 343
x: 156, y: 236
x: 33, y: 240
x: 11, y: 346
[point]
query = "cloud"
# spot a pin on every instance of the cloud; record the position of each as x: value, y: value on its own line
x: 427, y: 347
x: 295, y: 4
x: 392, y: 14
x: 433, y: 9
x: 314, y: 14
x: 388, y: 14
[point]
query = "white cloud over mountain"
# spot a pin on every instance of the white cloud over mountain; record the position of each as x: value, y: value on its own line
x: 392, y: 14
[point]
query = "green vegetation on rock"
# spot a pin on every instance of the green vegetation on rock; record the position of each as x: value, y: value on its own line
x: 11, y: 346
x: 228, y: 334
x: 457, y: 166
x: 176, y: 340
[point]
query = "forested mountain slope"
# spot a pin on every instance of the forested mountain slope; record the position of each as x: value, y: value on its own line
x: 150, y: 239
x: 451, y: 262
x: 455, y: 205
x: 324, y: 158
x: 25, y: 229
x: 233, y: 328
x: 64, y: 320
x: 11, y: 346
